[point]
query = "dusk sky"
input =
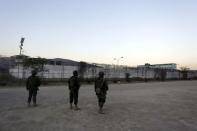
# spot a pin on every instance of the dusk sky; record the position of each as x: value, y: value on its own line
x: 142, y: 31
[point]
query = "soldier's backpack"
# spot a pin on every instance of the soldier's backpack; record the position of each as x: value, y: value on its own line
x: 98, y: 88
x: 33, y: 83
x: 71, y: 83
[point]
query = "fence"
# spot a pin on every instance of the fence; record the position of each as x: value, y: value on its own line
x: 61, y: 72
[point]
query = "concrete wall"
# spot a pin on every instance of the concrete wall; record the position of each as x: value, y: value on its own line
x: 55, y: 71
x: 52, y: 71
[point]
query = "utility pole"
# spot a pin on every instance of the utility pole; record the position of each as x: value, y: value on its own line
x: 117, y: 65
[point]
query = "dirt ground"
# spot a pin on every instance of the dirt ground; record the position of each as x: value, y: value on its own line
x: 154, y: 106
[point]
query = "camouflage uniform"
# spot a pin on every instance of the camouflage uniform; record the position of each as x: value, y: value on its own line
x: 32, y: 84
x: 101, y: 88
x: 74, y: 85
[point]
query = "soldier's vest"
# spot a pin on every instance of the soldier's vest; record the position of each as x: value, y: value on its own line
x: 99, y: 86
x: 33, y: 83
x: 73, y: 83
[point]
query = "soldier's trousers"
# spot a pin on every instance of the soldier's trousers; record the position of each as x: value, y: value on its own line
x: 74, y: 97
x: 32, y: 93
x: 101, y: 100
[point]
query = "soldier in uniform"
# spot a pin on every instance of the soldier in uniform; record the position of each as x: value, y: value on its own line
x: 74, y: 85
x: 32, y: 84
x: 101, y: 88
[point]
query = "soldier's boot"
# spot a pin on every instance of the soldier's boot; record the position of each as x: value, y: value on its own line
x: 101, y: 108
x: 29, y: 102
x: 35, y: 104
x: 101, y: 111
x: 34, y: 101
x: 76, y: 107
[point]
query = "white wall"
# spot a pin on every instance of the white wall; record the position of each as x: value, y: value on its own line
x: 55, y: 71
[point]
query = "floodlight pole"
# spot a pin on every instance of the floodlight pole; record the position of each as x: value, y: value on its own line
x: 21, y: 45
x: 118, y: 60
x: 21, y: 48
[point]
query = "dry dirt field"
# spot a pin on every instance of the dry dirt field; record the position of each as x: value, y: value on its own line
x: 153, y: 106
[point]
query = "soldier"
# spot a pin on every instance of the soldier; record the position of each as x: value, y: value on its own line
x: 74, y: 85
x: 32, y: 84
x: 101, y: 88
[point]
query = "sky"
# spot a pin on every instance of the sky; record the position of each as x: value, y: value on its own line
x: 140, y: 31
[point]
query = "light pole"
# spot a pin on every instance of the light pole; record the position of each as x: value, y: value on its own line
x: 94, y: 70
x: 21, y: 45
x: 118, y: 60
x: 21, y: 48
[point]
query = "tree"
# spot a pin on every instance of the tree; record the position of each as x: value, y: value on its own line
x: 160, y: 74
x: 35, y: 63
x: 4, y: 70
x: 184, y: 72
x: 82, y: 68
x: 163, y: 74
x: 127, y: 76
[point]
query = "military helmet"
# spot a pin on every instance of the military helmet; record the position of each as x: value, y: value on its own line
x: 33, y: 72
x: 101, y: 74
x: 75, y: 73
